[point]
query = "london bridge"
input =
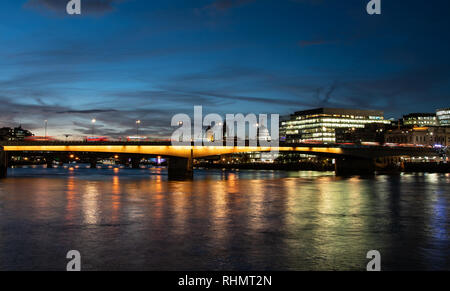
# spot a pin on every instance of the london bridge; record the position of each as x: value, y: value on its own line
x: 349, y: 158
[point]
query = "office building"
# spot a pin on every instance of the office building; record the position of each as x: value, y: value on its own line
x: 420, y: 120
x: 371, y: 133
x: 420, y: 136
x: 443, y: 116
x: 319, y: 125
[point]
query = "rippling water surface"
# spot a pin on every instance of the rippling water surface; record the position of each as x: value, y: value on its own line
x: 123, y: 219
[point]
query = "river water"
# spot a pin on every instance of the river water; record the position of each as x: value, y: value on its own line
x: 123, y: 219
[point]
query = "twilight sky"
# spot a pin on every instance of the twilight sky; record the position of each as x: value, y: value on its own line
x: 124, y: 60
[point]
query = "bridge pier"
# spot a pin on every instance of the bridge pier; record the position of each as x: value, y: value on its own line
x: 354, y: 166
x: 180, y: 168
x: 135, y: 163
x: 49, y: 163
x: 3, y: 163
x: 93, y: 162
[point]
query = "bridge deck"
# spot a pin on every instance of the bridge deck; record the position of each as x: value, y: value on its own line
x: 166, y: 149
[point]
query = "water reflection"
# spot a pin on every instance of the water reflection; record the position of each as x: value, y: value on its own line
x: 223, y: 220
x: 90, y: 203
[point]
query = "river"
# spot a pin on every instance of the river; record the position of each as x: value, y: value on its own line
x: 124, y: 219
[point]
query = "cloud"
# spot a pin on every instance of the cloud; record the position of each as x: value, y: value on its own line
x: 259, y: 87
x: 89, y: 7
x: 76, y: 122
x: 220, y: 6
x: 92, y: 111
x: 394, y: 93
x: 326, y: 98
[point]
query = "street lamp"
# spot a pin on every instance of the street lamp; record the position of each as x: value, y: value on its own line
x: 93, y: 126
x: 138, y: 123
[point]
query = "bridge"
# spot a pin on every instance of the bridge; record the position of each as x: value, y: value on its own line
x: 349, y: 158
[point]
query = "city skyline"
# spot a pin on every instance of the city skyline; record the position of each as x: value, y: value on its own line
x: 411, y: 119
x: 123, y: 61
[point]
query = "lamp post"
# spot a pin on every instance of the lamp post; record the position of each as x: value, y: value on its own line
x: 93, y: 126
x: 138, y: 123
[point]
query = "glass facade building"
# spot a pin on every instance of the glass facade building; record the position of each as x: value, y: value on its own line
x: 420, y: 119
x: 443, y: 116
x: 319, y: 125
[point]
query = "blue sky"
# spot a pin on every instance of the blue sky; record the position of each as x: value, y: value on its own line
x: 124, y: 60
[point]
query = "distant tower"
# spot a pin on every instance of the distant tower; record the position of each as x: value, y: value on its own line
x: 225, y: 130
x: 209, y: 134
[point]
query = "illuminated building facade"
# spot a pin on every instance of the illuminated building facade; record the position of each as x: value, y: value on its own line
x: 443, y: 116
x: 420, y: 119
x: 420, y: 136
x: 319, y: 125
x: 370, y: 133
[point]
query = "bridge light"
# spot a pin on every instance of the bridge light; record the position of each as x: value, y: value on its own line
x: 138, y: 123
x: 116, y: 156
x: 93, y: 125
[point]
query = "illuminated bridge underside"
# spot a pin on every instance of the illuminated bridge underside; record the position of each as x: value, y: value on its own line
x: 174, y: 151
x: 205, y: 151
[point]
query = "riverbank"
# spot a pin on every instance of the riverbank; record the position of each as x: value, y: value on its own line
x: 263, y: 166
x: 408, y: 167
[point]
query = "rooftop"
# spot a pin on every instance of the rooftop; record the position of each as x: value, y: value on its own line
x: 341, y: 111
